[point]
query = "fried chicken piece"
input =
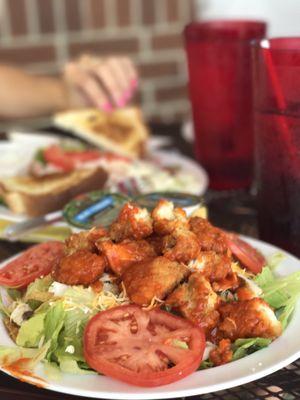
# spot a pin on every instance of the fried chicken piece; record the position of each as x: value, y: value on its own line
x: 248, y: 318
x: 210, y: 237
x: 217, y: 269
x: 166, y: 218
x: 222, y: 354
x: 121, y: 255
x: 181, y: 245
x: 157, y: 243
x: 133, y: 223
x: 84, y: 240
x: 154, y: 278
x: 80, y: 268
x: 244, y: 293
x: 196, y: 301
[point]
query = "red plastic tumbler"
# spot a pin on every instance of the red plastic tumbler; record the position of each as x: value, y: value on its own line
x: 277, y: 133
x: 220, y: 74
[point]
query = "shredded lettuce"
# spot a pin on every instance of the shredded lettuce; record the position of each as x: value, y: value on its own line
x: 39, y: 156
x: 281, y: 293
x: 71, y: 336
x: 205, y: 364
x: 52, y: 371
x: 275, y: 260
x: 54, y: 321
x: 78, y: 296
x: 9, y: 354
x: 180, y: 343
x: 244, y: 347
x: 265, y: 277
x: 31, y: 331
x: 38, y: 290
x: 58, y: 322
x: 30, y: 357
x: 14, y: 294
x: 284, y: 313
x: 59, y: 330
x: 3, y: 309
x: 70, y: 366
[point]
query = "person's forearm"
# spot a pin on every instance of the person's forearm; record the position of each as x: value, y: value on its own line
x: 23, y: 95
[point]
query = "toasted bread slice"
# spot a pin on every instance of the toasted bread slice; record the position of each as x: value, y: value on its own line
x: 122, y: 131
x: 37, y: 196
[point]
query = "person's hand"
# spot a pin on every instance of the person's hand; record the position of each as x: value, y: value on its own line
x: 105, y: 83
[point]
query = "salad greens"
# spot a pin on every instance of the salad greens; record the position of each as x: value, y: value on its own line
x: 244, y: 347
x: 31, y: 331
x: 58, y: 315
x: 58, y: 332
x: 240, y: 349
x: 53, y: 317
x: 39, y: 156
x: 281, y: 293
x: 205, y: 364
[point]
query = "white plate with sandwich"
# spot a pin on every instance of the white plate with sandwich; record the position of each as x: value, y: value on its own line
x: 31, y: 187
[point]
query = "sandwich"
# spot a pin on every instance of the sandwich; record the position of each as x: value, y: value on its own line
x: 122, y: 131
x: 34, y: 196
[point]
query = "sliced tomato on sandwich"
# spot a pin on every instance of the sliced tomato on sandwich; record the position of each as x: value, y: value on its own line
x: 68, y: 160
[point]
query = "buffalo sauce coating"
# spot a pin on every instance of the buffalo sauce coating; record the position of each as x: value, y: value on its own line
x: 132, y: 223
x: 122, y: 255
x: 248, y: 318
x: 19, y: 369
x: 222, y: 354
x: 210, y: 237
x: 80, y: 268
x: 153, y: 278
x: 196, y: 301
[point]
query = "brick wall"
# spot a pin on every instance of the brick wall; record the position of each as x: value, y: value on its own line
x: 41, y: 35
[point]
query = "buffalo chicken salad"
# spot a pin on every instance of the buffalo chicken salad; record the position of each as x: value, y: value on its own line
x: 153, y: 298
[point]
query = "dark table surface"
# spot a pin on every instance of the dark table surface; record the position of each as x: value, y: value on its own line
x: 231, y: 210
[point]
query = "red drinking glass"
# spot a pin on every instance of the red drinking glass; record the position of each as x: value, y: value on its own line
x: 277, y: 140
x: 219, y: 62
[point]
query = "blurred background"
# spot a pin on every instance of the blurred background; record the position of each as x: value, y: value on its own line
x: 41, y: 35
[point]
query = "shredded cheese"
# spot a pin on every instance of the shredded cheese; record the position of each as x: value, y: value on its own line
x: 239, y: 271
x: 154, y: 303
x: 106, y: 300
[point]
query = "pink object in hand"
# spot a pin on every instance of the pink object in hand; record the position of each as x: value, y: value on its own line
x: 122, y: 101
x: 134, y: 83
x: 107, y: 107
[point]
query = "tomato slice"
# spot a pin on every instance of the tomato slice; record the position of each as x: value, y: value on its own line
x: 246, y: 254
x: 35, y: 262
x: 83, y: 156
x: 140, y: 347
x: 68, y: 160
x: 56, y: 156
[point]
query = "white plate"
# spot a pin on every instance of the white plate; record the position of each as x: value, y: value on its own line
x: 279, y: 354
x: 172, y: 158
x: 13, y: 161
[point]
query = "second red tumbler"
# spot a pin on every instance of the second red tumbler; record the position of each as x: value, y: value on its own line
x: 220, y: 81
